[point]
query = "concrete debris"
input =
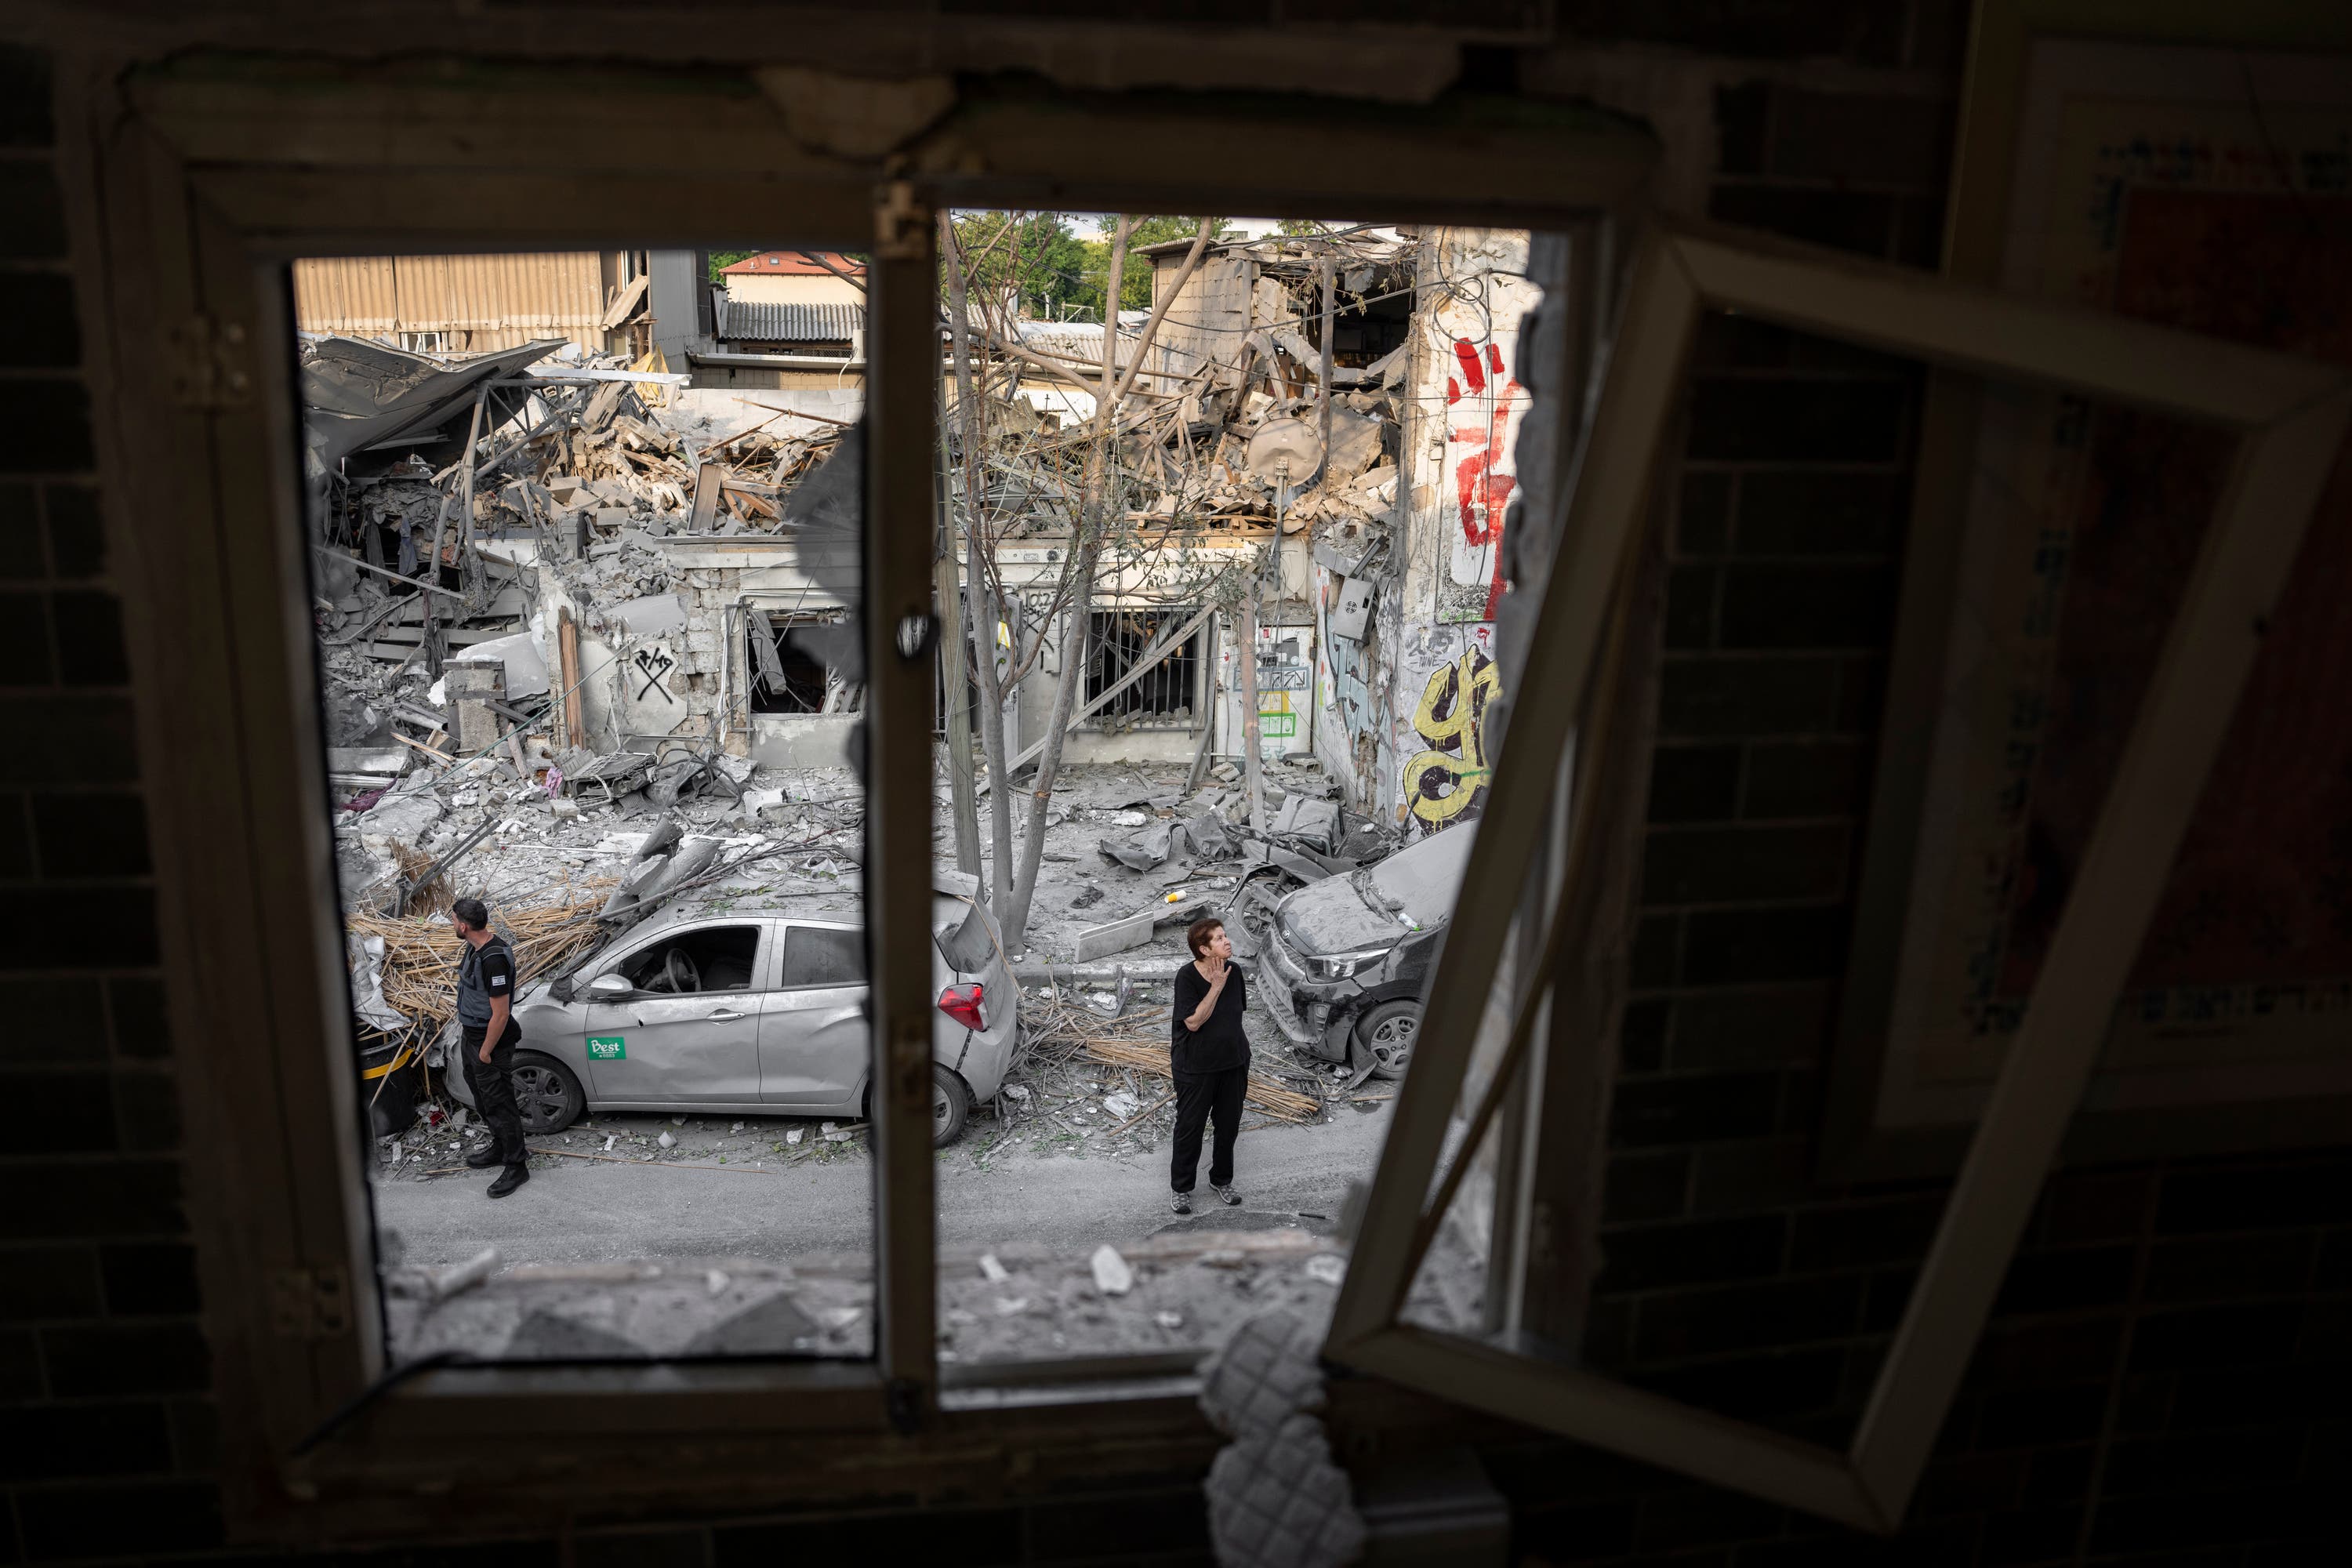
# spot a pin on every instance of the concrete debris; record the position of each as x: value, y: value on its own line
x: 465, y: 1276
x: 995, y: 1273
x: 1326, y: 1268
x: 1118, y: 936
x: 1112, y: 1276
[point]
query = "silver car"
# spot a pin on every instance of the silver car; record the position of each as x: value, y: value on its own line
x: 731, y: 1013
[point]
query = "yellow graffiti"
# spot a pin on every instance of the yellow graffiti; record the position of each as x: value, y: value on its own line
x: 1445, y: 780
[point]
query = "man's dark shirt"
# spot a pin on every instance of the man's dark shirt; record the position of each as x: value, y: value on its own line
x: 485, y: 974
x: 1219, y: 1043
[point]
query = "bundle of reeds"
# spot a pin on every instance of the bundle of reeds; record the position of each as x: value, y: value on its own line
x: 420, y: 955
x: 1265, y: 1093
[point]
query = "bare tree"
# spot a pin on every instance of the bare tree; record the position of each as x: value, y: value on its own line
x: 1099, y: 507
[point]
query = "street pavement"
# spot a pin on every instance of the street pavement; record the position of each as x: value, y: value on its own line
x: 590, y: 1211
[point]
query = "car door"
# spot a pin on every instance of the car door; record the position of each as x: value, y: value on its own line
x: 687, y: 1030
x: 814, y: 1050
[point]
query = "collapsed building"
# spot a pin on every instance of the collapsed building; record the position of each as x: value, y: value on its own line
x: 621, y: 570
x: 1377, y: 652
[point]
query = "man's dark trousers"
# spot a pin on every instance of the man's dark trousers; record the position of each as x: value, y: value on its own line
x: 1199, y: 1095
x: 494, y: 1091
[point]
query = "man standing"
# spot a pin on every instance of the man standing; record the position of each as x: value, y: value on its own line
x: 1209, y: 1056
x: 485, y: 972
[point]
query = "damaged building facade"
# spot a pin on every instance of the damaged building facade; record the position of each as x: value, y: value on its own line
x: 1377, y: 652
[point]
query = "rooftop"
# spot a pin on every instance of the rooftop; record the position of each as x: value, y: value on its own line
x: 785, y: 263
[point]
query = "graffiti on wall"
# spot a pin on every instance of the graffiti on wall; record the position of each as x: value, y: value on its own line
x: 1483, y: 403
x: 1447, y: 779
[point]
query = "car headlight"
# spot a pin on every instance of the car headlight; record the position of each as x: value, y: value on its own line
x: 1343, y: 965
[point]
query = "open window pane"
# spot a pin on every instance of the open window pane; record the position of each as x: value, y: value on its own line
x: 588, y: 600
x: 1287, y: 539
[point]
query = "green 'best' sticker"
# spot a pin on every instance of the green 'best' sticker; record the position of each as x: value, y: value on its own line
x: 608, y: 1048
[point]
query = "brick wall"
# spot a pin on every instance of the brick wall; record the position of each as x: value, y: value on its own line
x: 2165, y: 1376
x: 107, y: 1423
x: 103, y: 1368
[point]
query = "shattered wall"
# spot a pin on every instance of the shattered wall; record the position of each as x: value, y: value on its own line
x: 1405, y: 703
x: 1467, y: 391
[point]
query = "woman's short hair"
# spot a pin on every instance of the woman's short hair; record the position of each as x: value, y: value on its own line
x: 1197, y: 935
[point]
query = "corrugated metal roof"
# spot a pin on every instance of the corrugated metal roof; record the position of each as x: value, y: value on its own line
x: 493, y: 301
x: 770, y: 321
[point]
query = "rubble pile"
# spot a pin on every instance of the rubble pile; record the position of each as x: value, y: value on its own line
x: 1225, y: 403
x: 1181, y: 1290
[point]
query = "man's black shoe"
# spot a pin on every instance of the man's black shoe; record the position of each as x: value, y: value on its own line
x: 516, y: 1177
x: 483, y: 1158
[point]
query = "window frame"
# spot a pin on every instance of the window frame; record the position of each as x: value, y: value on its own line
x: 785, y: 925
x: 766, y: 954
x: 193, y: 183
x: 2289, y: 417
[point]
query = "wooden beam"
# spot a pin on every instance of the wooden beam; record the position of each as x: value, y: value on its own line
x: 903, y: 346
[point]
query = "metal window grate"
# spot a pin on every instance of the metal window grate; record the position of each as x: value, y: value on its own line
x: 1168, y: 697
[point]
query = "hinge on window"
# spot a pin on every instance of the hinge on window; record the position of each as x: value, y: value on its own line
x: 208, y: 365
x: 311, y: 1303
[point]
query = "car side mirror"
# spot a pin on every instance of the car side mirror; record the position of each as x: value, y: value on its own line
x: 609, y: 987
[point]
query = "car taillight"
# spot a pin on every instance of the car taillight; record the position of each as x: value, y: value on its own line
x: 961, y: 1002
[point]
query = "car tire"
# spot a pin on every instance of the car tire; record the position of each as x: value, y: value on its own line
x: 950, y: 1107
x: 546, y: 1092
x: 1384, y: 1037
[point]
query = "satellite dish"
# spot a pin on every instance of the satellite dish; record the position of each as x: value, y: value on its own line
x: 1285, y: 452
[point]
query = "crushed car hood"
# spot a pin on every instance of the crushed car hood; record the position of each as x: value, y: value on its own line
x: 1339, y: 914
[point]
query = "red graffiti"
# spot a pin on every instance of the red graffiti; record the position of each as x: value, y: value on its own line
x: 1472, y: 371
x: 1481, y: 490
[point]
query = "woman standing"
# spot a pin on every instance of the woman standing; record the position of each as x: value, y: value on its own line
x: 1208, y: 1055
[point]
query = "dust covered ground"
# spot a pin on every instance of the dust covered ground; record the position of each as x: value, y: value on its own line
x: 752, y: 1234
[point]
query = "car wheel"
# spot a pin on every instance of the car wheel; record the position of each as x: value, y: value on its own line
x: 549, y: 1097
x: 950, y: 1107
x: 1383, y: 1037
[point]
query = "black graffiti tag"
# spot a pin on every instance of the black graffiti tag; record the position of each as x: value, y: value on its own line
x: 654, y: 664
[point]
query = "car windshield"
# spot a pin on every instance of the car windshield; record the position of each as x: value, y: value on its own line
x: 1421, y: 882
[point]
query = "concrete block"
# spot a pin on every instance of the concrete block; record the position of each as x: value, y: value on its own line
x: 769, y: 1326
x: 474, y: 725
